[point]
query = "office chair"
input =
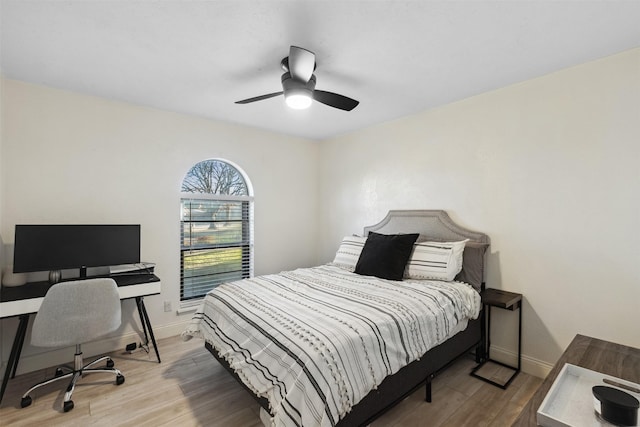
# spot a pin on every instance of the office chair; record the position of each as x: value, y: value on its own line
x: 73, y: 313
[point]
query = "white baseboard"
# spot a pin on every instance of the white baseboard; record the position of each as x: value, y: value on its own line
x: 33, y: 362
x: 529, y: 365
x: 60, y: 356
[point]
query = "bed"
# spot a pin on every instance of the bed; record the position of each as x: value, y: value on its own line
x: 327, y: 346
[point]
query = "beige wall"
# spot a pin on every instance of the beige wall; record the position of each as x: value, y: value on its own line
x: 549, y: 168
x: 70, y: 158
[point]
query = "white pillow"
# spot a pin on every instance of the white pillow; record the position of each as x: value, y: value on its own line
x: 435, y: 260
x: 349, y: 252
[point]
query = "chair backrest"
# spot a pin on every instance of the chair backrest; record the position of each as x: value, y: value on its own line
x: 77, y: 312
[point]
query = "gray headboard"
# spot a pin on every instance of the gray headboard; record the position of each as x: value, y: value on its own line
x: 437, y: 225
x: 434, y: 224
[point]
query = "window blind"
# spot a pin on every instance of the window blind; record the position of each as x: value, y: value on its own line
x: 216, y: 243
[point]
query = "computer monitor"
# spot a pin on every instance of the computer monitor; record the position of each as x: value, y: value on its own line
x: 61, y: 247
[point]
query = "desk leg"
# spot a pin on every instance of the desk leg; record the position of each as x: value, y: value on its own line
x: 22, y: 333
x: 16, y: 349
x: 146, y: 325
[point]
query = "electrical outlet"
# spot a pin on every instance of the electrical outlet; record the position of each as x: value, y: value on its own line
x: 167, y: 306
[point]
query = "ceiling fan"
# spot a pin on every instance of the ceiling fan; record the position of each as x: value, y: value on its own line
x: 299, y: 84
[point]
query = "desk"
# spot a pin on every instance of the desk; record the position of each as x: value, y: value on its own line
x: 22, y: 301
x: 601, y: 356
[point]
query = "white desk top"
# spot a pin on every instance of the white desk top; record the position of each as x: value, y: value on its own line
x: 17, y: 307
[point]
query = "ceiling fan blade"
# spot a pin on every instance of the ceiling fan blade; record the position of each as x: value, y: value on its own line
x: 259, y: 98
x: 302, y: 62
x: 335, y: 100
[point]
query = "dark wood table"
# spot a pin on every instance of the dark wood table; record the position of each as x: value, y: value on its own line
x: 590, y: 353
x: 508, y: 301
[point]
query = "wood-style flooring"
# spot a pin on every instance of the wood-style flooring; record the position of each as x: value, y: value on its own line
x: 190, y: 388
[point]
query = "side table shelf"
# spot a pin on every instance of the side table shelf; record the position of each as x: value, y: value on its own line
x: 507, y: 301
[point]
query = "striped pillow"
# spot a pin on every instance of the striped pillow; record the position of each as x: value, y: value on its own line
x: 349, y: 252
x: 435, y: 260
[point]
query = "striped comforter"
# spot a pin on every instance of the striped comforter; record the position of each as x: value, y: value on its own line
x: 315, y: 341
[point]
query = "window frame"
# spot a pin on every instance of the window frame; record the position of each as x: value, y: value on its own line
x: 245, y: 244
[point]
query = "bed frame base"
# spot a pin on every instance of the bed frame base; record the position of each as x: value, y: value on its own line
x: 395, y: 388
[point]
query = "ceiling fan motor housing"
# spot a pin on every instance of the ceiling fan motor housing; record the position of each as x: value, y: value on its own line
x: 291, y: 86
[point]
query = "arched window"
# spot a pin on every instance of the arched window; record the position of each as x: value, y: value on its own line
x: 216, y: 228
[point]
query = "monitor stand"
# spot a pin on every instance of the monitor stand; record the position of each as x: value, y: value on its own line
x: 55, y: 276
x: 83, y: 272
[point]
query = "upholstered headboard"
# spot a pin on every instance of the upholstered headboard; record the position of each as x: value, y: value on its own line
x: 436, y: 225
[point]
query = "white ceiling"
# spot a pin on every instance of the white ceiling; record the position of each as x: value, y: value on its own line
x: 395, y: 57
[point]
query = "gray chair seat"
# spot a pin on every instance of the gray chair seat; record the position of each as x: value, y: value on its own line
x: 73, y: 313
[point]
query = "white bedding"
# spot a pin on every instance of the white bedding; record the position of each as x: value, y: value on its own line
x: 315, y: 341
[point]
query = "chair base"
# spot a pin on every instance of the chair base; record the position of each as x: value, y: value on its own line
x: 75, y: 374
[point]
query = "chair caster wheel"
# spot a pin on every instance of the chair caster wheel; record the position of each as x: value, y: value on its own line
x: 26, y: 401
x: 68, y: 405
x: 110, y: 363
x: 119, y: 379
x: 59, y: 372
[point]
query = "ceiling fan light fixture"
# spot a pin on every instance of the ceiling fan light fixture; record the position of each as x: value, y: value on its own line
x: 298, y: 101
x: 298, y: 94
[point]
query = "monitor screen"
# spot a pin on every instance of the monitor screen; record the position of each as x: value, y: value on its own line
x: 60, y: 247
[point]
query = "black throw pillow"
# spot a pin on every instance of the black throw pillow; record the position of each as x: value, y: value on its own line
x: 385, y: 255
